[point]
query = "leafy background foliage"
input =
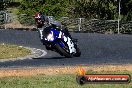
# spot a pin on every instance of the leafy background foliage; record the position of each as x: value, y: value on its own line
x: 89, y: 9
x: 99, y: 9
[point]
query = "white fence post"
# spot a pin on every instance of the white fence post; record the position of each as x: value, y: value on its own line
x: 80, y: 23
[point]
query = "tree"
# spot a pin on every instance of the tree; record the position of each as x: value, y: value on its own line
x: 52, y: 7
x: 90, y: 9
x: 126, y: 10
x: 106, y: 9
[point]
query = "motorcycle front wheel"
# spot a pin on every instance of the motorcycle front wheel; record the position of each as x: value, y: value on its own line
x: 62, y: 51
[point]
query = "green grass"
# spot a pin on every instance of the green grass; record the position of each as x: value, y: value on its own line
x: 12, y: 51
x: 55, y: 81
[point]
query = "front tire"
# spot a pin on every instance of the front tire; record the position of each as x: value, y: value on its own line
x: 62, y: 51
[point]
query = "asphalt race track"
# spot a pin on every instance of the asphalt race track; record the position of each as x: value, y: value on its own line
x: 96, y: 49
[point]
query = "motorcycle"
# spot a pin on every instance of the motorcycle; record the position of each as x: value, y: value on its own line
x: 56, y: 40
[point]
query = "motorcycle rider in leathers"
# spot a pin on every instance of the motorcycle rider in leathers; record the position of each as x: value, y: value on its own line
x: 43, y: 22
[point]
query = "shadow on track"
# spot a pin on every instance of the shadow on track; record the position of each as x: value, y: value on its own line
x: 51, y: 58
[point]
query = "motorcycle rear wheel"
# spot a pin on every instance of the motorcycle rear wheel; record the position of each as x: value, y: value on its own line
x: 78, y: 53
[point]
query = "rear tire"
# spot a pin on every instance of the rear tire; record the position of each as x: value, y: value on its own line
x: 78, y: 53
x: 62, y: 52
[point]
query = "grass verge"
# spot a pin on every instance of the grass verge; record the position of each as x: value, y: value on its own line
x: 12, y: 51
x: 59, y: 80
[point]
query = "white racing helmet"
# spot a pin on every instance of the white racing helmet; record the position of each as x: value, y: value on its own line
x: 57, y: 23
x: 53, y: 21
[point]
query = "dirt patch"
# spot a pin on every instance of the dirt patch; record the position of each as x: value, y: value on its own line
x: 16, y: 24
x: 37, y: 71
x: 127, y: 67
x: 5, y: 72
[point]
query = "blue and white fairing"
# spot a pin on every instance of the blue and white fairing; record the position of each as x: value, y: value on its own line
x: 70, y: 44
x: 54, y: 36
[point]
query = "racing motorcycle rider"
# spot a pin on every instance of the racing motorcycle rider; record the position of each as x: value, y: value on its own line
x: 43, y: 23
x: 40, y: 19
